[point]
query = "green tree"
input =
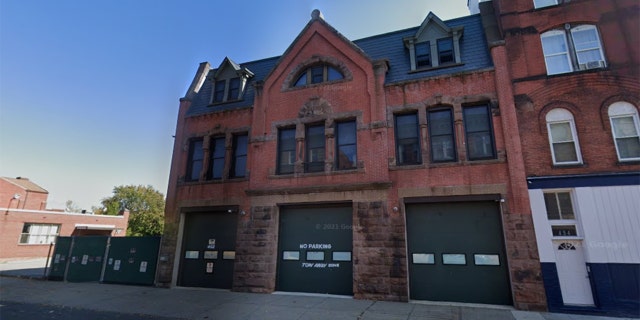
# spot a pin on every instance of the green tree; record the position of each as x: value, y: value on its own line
x: 145, y: 205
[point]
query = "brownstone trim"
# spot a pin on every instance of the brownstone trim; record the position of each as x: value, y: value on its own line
x: 461, y: 198
x: 320, y: 189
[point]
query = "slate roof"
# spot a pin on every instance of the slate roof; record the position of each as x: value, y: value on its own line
x: 25, y: 184
x: 474, y: 54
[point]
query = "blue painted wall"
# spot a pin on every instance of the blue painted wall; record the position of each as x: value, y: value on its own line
x: 615, y: 286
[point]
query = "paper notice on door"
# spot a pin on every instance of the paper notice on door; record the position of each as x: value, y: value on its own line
x: 85, y: 259
x: 143, y: 266
x: 209, y: 267
x: 116, y: 265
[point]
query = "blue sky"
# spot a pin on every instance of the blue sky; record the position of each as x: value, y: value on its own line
x: 89, y: 89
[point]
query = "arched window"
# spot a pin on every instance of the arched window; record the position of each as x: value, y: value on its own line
x: 318, y: 74
x: 562, y: 137
x: 624, y: 126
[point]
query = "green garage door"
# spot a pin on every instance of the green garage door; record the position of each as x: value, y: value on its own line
x: 314, y: 250
x: 456, y: 253
x: 208, y: 250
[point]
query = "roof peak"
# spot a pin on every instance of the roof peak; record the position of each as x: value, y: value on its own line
x: 316, y: 14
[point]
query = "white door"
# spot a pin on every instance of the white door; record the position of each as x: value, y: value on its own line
x: 572, y: 272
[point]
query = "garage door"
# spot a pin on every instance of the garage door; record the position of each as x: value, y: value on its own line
x: 208, y: 250
x: 456, y: 253
x: 314, y: 250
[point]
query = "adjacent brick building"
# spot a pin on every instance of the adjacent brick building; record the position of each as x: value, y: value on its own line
x: 27, y: 228
x: 386, y: 168
x: 574, y: 67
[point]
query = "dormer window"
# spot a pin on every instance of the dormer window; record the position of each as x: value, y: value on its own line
x: 434, y: 45
x: 318, y: 74
x: 229, y: 81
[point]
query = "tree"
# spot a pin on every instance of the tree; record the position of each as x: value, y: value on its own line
x: 145, y: 205
x: 70, y: 206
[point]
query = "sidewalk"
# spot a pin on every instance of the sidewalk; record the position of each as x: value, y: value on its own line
x: 27, y: 268
x: 191, y: 303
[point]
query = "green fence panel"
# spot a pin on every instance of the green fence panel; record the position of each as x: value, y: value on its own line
x: 60, y: 258
x: 132, y: 260
x: 87, y: 258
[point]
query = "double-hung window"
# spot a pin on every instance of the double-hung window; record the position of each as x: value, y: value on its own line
x: 234, y: 89
x: 239, y: 164
x: 560, y: 214
x: 218, y: 90
x: 346, y: 145
x: 315, y: 147
x: 478, y: 132
x: 445, y: 51
x: 407, y: 139
x: 562, y: 137
x: 286, y: 150
x: 423, y: 54
x: 195, y: 161
x: 441, y: 137
x: 578, y: 49
x: 216, y: 163
x: 625, y: 128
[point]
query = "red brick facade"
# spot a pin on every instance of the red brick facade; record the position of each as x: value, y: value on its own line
x: 23, y: 203
x: 586, y: 94
x: 378, y: 188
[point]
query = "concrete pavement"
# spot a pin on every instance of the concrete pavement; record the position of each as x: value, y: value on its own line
x: 21, y: 282
x: 193, y: 303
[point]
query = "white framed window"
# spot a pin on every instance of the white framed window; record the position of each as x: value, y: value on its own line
x: 544, y: 3
x: 572, y: 49
x: 39, y: 233
x: 625, y: 128
x: 562, y: 137
x: 561, y: 214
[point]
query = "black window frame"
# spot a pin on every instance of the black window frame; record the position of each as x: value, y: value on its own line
x: 423, y: 60
x: 311, y: 145
x: 239, y: 155
x: 398, y: 139
x: 215, y: 157
x: 446, y: 53
x: 340, y: 128
x: 191, y: 161
x: 281, y: 149
x: 219, y: 87
x: 234, y: 89
x: 451, y: 134
x: 489, y: 130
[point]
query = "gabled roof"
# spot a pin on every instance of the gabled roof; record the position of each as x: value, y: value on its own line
x: 25, y: 184
x: 390, y: 46
x: 228, y: 63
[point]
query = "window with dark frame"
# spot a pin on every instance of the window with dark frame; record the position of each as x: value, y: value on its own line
x: 346, y: 145
x: 318, y: 74
x: 315, y: 148
x: 218, y: 91
x: 441, y: 135
x: 196, y: 157
x: 39, y: 233
x: 217, y: 152
x: 239, y: 164
x: 445, y: 51
x: 286, y: 150
x: 407, y: 139
x: 234, y: 89
x: 423, y: 54
x: 478, y: 132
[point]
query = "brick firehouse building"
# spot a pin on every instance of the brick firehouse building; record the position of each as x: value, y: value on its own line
x: 387, y: 168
